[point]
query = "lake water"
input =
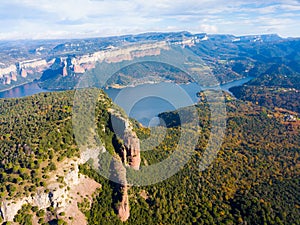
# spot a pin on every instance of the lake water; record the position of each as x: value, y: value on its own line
x: 22, y: 91
x: 143, y: 102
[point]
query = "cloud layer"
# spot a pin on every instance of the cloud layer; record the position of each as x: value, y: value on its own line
x: 86, y: 18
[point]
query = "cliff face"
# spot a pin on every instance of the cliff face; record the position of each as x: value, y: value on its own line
x: 41, y: 199
x: 58, y: 197
x: 23, y: 73
x: 124, y: 210
x: 22, y: 69
x: 129, y: 155
x: 76, y: 64
x: 130, y: 151
x: 132, y: 148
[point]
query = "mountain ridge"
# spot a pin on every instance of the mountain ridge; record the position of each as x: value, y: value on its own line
x: 27, y: 61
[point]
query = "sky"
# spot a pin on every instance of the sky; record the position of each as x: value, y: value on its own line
x: 52, y: 19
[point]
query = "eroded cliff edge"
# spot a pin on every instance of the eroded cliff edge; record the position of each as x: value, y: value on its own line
x: 128, y: 155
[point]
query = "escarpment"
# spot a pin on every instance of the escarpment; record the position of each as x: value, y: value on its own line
x: 129, y: 155
x: 60, y: 197
x: 130, y: 149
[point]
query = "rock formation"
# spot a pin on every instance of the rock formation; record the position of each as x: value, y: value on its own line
x: 23, y: 73
x: 7, y: 70
x: 7, y: 80
x: 130, y: 151
x: 13, y: 76
x: 65, y: 71
x: 78, y: 69
x: 57, y: 195
x: 129, y: 154
x: 132, y: 147
x: 124, y: 210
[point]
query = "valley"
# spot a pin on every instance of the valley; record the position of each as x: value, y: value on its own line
x: 72, y: 153
x: 259, y: 154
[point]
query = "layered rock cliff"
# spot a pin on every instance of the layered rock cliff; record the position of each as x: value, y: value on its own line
x: 70, y: 65
x: 132, y: 148
x: 129, y: 155
x: 130, y: 151
x: 23, y: 69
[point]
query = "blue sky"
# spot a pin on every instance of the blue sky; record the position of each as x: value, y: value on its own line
x: 39, y: 19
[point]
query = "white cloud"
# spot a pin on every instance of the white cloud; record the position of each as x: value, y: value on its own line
x: 81, y: 18
x: 208, y: 28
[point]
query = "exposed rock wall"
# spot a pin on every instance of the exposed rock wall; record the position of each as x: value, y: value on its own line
x: 8, y: 70
x: 122, y: 128
x: 79, y: 64
x: 132, y: 147
x: 129, y: 155
x: 23, y: 69
x: 124, y: 210
x: 23, y: 73
x: 64, y: 71
x: 57, y: 196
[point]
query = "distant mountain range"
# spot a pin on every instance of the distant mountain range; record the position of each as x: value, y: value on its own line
x: 59, y: 64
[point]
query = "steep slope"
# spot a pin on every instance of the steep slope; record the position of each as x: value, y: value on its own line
x: 258, y: 158
x: 277, y: 87
x: 40, y: 163
x: 40, y: 157
x: 227, y: 56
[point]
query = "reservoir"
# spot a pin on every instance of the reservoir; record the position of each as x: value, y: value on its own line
x: 143, y: 102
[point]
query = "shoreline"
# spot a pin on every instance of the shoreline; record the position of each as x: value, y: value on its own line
x: 117, y: 86
x: 15, y: 86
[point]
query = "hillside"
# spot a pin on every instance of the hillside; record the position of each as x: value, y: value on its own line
x: 60, y: 64
x: 254, y: 178
x: 40, y: 157
x: 278, y: 87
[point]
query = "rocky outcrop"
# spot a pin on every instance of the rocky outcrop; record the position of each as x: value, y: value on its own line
x: 23, y: 69
x: 78, y: 69
x: 41, y: 200
x: 121, y: 186
x: 57, y: 196
x: 33, y: 64
x: 7, y: 80
x: 126, y: 53
x: 64, y: 71
x: 8, y: 70
x: 132, y: 148
x: 119, y: 124
x: 10, y: 208
x: 123, y: 209
x: 13, y: 76
x: 23, y: 73
x: 129, y: 153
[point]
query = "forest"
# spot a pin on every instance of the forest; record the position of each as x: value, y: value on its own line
x: 279, y: 86
x: 253, y: 180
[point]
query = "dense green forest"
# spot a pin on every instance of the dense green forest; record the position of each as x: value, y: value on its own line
x: 279, y: 86
x: 36, y: 132
x: 253, y: 180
